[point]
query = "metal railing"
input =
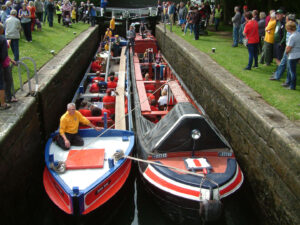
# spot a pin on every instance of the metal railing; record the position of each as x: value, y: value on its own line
x: 35, y: 76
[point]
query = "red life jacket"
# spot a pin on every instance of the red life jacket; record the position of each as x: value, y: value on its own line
x: 85, y: 112
x: 109, y: 103
x: 111, y: 84
x: 94, y: 88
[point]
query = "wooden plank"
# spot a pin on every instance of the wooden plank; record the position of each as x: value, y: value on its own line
x: 145, y: 106
x: 137, y: 69
x: 156, y: 113
x: 120, y: 118
x: 178, y: 92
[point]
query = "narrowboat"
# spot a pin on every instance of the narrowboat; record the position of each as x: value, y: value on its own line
x: 188, y: 165
x: 85, y: 178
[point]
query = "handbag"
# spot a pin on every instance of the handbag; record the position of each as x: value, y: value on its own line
x: 245, y: 40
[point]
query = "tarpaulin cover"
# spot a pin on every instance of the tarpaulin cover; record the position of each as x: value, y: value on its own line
x: 173, y: 132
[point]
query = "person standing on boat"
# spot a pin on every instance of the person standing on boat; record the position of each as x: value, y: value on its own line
x: 131, y: 36
x: 68, y: 128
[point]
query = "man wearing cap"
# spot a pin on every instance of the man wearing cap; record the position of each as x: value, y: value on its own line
x: 279, y: 38
x: 283, y: 63
x: 68, y: 128
x: 116, y: 46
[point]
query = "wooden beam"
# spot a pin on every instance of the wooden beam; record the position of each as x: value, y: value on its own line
x: 120, y: 118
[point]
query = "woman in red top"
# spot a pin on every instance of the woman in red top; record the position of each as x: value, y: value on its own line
x: 251, y: 33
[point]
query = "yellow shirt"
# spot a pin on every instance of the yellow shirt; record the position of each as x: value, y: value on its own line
x: 112, y: 24
x: 73, y: 14
x: 106, y: 47
x: 69, y: 124
x: 270, y: 35
x: 108, y: 33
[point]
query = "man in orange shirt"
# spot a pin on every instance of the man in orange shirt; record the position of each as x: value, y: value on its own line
x: 111, y: 84
x: 109, y: 102
x: 68, y: 128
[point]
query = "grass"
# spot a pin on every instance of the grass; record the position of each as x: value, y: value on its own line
x: 50, y: 38
x: 235, y: 59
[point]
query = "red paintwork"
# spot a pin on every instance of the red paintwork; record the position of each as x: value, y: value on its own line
x: 234, y: 184
x: 145, y: 106
x: 219, y: 164
x: 99, y: 195
x: 85, y: 159
x: 166, y: 184
x: 142, y: 44
x: 137, y: 69
x: 56, y: 193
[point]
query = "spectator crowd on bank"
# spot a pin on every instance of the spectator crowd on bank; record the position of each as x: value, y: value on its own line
x: 25, y: 16
x: 274, y: 35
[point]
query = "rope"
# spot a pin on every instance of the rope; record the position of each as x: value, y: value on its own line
x: 109, y: 128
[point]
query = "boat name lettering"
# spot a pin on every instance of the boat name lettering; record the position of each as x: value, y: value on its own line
x: 102, y: 187
x: 225, y: 154
x: 160, y: 156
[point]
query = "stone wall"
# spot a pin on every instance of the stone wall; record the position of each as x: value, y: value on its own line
x: 265, y: 142
x: 23, y: 128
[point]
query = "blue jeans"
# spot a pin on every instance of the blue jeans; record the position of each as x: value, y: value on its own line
x: 196, y: 31
x: 236, y: 36
x: 253, y: 53
x: 241, y: 36
x: 217, y: 22
x: 50, y: 19
x: 14, y: 44
x: 292, y: 65
x: 190, y: 25
x: 281, y: 68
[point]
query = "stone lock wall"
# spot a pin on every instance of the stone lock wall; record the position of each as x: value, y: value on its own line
x: 265, y: 142
x: 25, y: 127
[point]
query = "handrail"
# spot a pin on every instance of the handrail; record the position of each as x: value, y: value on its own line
x: 21, y: 63
x: 108, y: 61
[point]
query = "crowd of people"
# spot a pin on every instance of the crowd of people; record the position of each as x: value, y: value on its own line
x: 28, y: 16
x: 195, y: 17
x: 275, y: 36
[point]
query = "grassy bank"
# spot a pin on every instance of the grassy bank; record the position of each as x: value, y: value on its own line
x: 50, y: 38
x: 235, y: 59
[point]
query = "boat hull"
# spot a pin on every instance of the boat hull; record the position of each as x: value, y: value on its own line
x: 89, y: 201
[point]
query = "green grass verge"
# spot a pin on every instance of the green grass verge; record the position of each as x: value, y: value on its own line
x: 50, y: 38
x: 235, y: 59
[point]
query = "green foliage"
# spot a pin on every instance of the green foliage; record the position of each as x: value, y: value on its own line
x: 50, y: 38
x: 235, y: 59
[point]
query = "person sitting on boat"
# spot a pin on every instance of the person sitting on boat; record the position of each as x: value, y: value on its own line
x: 163, y: 99
x: 96, y: 65
x: 116, y: 46
x: 94, y: 87
x: 143, y: 30
x: 150, y: 97
x: 153, y: 105
x: 108, y: 33
x: 98, y: 77
x: 158, y: 57
x: 112, y: 84
x: 147, y: 77
x: 109, y: 102
x: 68, y: 128
x: 96, y: 111
x: 85, y: 109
